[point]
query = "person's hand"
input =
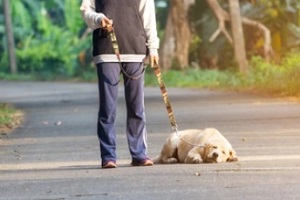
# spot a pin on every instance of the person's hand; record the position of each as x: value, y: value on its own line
x: 153, y: 60
x: 106, y: 24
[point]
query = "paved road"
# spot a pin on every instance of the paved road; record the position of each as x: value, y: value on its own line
x: 55, y: 155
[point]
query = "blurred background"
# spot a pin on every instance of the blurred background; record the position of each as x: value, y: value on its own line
x: 201, y: 42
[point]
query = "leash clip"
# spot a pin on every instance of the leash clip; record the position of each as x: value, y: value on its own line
x: 175, y: 127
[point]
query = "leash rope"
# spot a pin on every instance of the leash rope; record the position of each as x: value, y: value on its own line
x: 165, y: 96
x: 160, y: 82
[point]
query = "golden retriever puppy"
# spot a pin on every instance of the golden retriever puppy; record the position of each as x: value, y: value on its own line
x: 196, y: 146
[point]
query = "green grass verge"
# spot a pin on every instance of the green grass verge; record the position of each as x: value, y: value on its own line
x: 263, y: 78
x: 9, y: 118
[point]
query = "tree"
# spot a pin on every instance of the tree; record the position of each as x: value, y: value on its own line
x: 238, y: 35
x: 175, y: 46
x: 178, y: 34
x: 223, y: 16
x: 9, y: 37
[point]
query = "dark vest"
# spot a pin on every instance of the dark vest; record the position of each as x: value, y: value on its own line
x: 127, y: 24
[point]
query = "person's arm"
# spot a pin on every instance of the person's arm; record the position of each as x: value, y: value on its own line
x: 147, y: 11
x: 90, y: 16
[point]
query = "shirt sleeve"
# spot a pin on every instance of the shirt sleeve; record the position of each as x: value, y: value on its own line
x: 147, y: 11
x: 90, y: 16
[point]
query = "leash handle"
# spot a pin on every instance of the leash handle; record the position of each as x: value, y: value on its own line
x: 114, y: 42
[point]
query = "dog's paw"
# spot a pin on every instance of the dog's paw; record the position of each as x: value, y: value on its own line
x: 172, y: 160
x: 169, y: 160
x: 197, y: 160
x: 193, y: 160
x: 232, y: 159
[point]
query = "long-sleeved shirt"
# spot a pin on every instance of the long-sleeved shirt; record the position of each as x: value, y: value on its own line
x: 146, y: 10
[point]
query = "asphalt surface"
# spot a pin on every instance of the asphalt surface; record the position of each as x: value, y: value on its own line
x: 55, y: 153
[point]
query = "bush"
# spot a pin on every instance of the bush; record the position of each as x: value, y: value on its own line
x: 48, y: 38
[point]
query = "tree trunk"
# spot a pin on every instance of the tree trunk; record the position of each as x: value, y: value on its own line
x: 9, y: 37
x: 167, y: 50
x: 175, y: 47
x: 223, y: 16
x: 238, y: 35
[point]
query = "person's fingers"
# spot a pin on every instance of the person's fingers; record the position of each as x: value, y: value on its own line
x: 106, y: 24
x: 103, y: 22
x: 154, y: 60
x: 151, y: 61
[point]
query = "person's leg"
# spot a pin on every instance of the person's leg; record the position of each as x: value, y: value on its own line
x: 108, y: 79
x: 136, y: 120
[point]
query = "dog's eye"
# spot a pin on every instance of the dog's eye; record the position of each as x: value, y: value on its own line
x: 224, y: 152
x: 215, y: 147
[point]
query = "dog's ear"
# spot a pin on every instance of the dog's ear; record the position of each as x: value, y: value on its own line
x: 232, y: 156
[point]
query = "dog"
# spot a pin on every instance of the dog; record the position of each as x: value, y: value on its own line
x: 196, y: 146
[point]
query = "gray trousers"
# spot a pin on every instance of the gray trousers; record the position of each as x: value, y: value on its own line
x: 108, y: 81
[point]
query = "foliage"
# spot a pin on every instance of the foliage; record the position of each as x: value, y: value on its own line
x: 281, y: 17
x: 295, y: 30
x: 280, y: 79
x: 47, y: 36
x: 162, y: 9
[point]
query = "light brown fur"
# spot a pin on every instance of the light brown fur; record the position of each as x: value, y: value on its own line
x: 209, y: 146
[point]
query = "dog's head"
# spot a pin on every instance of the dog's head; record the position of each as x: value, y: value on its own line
x: 216, y: 153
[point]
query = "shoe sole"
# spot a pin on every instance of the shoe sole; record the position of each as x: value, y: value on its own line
x: 109, y: 165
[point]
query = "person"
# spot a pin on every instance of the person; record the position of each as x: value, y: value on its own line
x: 134, y: 24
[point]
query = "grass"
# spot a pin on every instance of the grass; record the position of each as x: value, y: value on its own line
x: 9, y: 118
x: 271, y: 85
x: 16, y: 77
x: 281, y: 80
